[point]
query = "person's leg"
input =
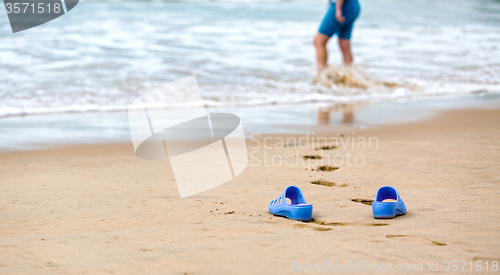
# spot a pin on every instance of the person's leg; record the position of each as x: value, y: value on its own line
x: 345, y: 48
x: 351, y: 12
x: 320, y: 42
x: 329, y: 26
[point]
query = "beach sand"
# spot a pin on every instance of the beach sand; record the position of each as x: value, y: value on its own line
x: 100, y: 209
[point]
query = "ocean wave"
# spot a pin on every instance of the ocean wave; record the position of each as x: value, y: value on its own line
x: 104, y: 54
x: 336, y: 93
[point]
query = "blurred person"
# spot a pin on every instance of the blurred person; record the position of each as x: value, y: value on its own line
x: 338, y: 20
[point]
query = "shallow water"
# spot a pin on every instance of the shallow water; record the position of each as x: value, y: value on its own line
x: 103, y: 54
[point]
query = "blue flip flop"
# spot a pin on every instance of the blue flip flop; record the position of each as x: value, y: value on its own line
x: 298, y: 209
x: 388, y: 204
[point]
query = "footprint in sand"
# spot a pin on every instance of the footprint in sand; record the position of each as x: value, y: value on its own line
x: 315, y: 228
x: 325, y: 226
x: 328, y: 147
x: 348, y: 223
x: 431, y: 242
x: 327, y: 168
x: 312, y: 157
x: 288, y: 145
x: 324, y: 183
x: 327, y: 183
x: 363, y: 201
x: 475, y: 259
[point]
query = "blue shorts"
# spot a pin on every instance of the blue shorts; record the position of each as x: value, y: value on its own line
x: 330, y: 25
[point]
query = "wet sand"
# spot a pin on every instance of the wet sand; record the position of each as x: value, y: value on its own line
x: 100, y: 209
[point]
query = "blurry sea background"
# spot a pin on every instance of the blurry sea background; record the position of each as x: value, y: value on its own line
x: 103, y: 54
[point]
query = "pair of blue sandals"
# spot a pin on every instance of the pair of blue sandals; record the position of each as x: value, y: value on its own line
x: 387, y: 205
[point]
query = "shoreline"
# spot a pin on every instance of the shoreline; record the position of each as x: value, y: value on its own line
x: 99, y: 208
x: 52, y: 130
x: 438, y: 97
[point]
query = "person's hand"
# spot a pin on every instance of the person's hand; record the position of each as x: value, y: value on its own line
x: 339, y: 16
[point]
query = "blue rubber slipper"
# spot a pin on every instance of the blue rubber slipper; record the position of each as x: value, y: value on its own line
x: 388, y: 204
x: 298, y: 209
